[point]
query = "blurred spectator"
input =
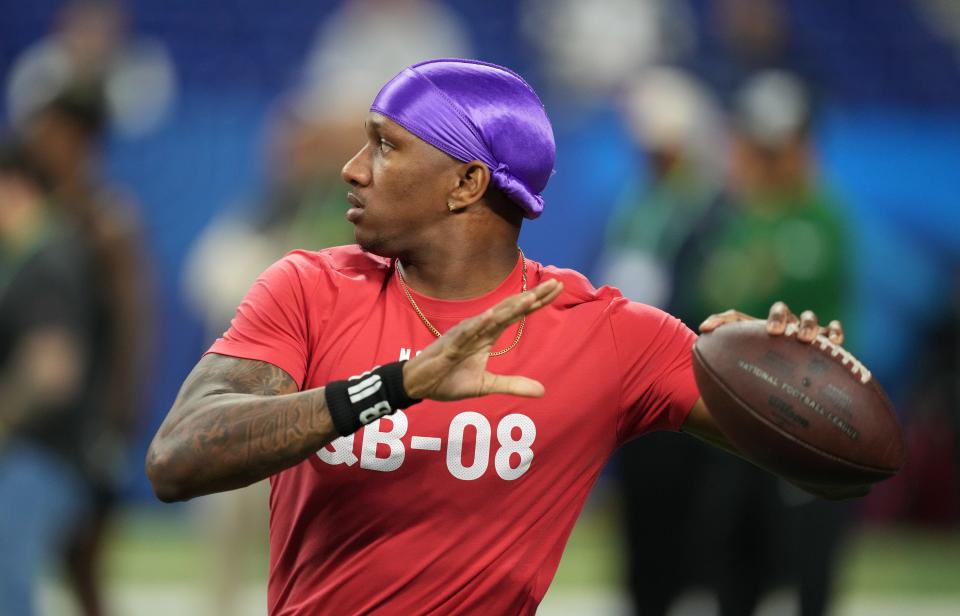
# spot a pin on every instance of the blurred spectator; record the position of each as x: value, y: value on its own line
x: 695, y: 247
x: 302, y: 206
x: 782, y: 238
x: 64, y: 136
x: 587, y: 51
x: 678, y: 129
x: 91, y: 43
x: 47, y: 346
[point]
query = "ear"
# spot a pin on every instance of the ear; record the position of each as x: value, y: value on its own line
x: 473, y: 180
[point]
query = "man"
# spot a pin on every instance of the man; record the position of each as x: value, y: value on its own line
x: 677, y: 128
x: 46, y: 326
x: 778, y: 233
x: 459, y: 504
x: 302, y: 205
x: 65, y: 136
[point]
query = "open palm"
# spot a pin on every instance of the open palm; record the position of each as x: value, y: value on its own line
x: 455, y: 365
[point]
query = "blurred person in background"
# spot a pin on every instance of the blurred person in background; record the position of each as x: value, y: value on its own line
x: 48, y: 336
x: 587, y: 51
x: 302, y: 205
x: 782, y: 219
x: 782, y: 235
x: 678, y: 129
x: 65, y: 137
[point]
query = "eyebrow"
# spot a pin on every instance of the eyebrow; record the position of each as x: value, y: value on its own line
x: 375, y: 124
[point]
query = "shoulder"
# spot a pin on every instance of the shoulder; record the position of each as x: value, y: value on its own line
x: 348, y: 261
x: 352, y: 260
x: 577, y: 288
x: 608, y: 301
x: 338, y: 266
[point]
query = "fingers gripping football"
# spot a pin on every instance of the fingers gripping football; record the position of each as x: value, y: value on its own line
x: 782, y: 321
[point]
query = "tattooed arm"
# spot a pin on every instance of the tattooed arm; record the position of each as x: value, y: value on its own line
x: 237, y: 421
x: 234, y: 422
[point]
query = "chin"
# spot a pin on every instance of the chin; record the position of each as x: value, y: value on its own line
x: 372, y: 244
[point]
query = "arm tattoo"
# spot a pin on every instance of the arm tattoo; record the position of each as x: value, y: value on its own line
x: 235, y: 421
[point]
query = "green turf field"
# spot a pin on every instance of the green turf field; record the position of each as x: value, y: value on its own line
x: 157, y: 565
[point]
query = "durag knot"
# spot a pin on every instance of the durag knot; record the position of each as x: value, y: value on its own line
x: 517, y: 191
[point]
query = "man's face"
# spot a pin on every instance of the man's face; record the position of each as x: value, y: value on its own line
x: 399, y: 188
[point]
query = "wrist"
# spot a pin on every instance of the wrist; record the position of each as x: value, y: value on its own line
x: 407, y: 381
x: 358, y: 401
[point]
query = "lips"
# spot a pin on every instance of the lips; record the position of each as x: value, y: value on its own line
x: 354, y: 200
x: 355, y: 213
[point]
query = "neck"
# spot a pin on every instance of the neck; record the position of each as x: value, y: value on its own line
x: 456, y: 274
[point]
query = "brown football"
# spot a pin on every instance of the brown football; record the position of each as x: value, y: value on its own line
x: 809, y: 412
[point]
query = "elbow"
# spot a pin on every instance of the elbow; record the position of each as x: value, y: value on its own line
x: 168, y: 485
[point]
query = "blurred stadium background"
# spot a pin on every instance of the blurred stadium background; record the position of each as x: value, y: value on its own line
x: 227, y: 122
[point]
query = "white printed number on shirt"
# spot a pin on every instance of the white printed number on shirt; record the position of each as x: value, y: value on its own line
x: 512, y: 458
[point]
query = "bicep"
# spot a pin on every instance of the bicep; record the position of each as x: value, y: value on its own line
x: 217, y: 374
x: 653, y: 356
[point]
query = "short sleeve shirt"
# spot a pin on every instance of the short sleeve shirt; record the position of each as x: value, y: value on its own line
x: 449, y: 507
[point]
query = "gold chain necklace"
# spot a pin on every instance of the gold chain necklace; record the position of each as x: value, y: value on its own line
x: 436, y: 332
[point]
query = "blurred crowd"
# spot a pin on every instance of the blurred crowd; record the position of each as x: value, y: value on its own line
x: 701, y: 167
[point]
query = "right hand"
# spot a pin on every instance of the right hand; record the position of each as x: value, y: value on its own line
x: 455, y: 366
x: 778, y: 321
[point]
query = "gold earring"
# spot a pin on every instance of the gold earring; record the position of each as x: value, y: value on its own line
x: 451, y: 206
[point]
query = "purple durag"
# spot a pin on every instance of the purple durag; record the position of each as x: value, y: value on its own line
x: 473, y: 110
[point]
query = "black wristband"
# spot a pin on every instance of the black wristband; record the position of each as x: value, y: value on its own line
x: 366, y: 398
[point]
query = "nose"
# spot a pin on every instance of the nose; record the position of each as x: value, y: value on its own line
x: 357, y: 170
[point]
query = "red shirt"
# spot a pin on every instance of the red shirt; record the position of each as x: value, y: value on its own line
x: 449, y: 507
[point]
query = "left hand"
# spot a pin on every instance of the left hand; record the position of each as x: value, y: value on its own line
x: 778, y: 321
